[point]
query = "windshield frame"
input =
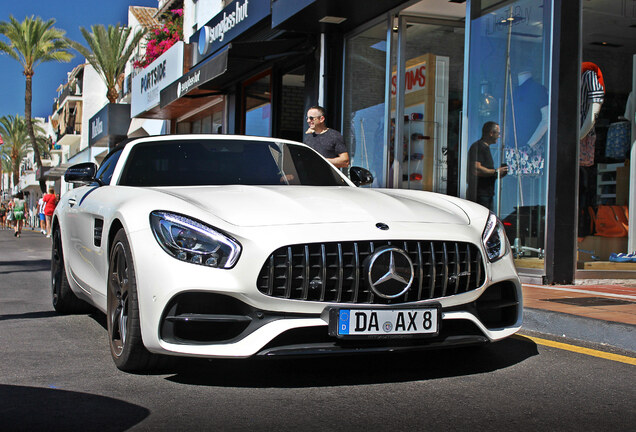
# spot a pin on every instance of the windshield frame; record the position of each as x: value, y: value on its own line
x: 204, y: 148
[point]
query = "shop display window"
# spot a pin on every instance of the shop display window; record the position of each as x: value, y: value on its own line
x: 508, y: 84
x: 607, y: 117
x: 364, y: 103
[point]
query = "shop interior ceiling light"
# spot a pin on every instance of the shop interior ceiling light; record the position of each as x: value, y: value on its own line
x: 332, y: 19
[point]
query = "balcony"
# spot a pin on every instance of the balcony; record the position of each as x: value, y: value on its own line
x: 70, y: 91
x: 70, y: 139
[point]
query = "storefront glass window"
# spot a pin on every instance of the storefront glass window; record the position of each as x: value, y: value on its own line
x: 217, y: 122
x: 292, y: 106
x: 432, y: 103
x: 258, y: 106
x: 508, y: 84
x: 364, y: 104
x: 206, y: 125
x: 608, y: 77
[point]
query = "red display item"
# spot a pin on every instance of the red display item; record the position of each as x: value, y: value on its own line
x: 419, y: 136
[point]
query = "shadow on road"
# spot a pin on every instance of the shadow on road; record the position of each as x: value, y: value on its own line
x: 9, y: 267
x: 351, y: 370
x: 31, y: 408
x: 29, y: 315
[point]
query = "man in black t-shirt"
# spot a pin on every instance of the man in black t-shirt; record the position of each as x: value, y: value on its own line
x: 481, y: 168
x: 328, y: 142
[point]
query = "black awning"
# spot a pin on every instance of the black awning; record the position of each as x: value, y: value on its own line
x: 305, y: 15
x: 230, y: 64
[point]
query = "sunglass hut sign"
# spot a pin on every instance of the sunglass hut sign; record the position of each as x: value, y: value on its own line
x: 237, y: 17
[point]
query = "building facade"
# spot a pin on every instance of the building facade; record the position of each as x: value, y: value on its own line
x: 410, y: 85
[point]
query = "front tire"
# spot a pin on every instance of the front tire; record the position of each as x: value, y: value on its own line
x: 64, y: 300
x: 124, y: 329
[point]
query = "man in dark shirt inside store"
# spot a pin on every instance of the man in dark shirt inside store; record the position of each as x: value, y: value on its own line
x: 326, y: 141
x: 481, y: 168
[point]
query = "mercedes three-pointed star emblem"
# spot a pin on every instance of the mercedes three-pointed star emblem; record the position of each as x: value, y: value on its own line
x: 390, y: 272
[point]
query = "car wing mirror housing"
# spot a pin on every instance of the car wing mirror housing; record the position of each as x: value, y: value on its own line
x: 83, y: 173
x: 360, y: 176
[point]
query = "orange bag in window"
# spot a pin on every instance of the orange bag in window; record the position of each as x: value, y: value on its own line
x: 609, y: 222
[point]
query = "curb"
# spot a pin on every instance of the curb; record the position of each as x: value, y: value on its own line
x: 622, y: 336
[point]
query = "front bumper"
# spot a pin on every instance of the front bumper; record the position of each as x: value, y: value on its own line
x: 196, y: 311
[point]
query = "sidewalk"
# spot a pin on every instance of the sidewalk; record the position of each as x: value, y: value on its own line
x: 602, y: 311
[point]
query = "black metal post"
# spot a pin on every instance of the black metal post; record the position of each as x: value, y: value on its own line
x: 562, y: 200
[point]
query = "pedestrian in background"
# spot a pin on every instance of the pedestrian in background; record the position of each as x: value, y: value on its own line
x: 20, y: 213
x: 10, y: 214
x: 50, y: 201
x: 3, y: 216
x: 41, y: 215
x: 326, y: 141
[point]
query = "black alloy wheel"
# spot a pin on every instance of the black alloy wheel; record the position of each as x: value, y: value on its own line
x: 64, y: 300
x: 118, y: 300
x: 122, y: 317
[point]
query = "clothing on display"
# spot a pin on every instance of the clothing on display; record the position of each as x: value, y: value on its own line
x: 617, y: 142
x: 587, y: 147
x: 528, y: 100
x: 525, y: 162
x: 592, y: 92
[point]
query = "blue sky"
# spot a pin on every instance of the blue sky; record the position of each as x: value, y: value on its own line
x: 69, y: 15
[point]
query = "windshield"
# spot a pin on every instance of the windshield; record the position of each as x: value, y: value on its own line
x: 198, y: 162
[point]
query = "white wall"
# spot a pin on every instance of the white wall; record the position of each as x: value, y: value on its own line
x: 94, y: 99
x: 198, y: 12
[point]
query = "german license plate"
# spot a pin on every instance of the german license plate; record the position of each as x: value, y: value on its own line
x: 384, y: 322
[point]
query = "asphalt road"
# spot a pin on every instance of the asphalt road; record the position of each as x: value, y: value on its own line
x: 56, y: 374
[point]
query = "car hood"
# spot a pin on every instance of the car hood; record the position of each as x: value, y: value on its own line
x: 254, y: 206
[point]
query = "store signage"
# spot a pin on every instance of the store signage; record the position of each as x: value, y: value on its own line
x: 209, y: 35
x: 208, y: 70
x: 112, y: 120
x: 190, y: 82
x: 97, y: 127
x: 415, y: 79
x: 148, y: 83
x: 237, y: 17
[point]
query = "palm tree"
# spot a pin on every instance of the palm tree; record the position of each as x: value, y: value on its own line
x: 31, y: 42
x: 15, y: 136
x: 13, y: 130
x: 108, y: 52
x: 5, y: 167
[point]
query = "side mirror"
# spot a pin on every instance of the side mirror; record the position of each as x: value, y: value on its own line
x: 360, y: 176
x: 83, y: 173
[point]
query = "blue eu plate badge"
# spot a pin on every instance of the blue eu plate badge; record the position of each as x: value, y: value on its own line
x: 344, y: 322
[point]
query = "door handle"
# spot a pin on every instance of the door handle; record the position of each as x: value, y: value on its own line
x: 72, y: 202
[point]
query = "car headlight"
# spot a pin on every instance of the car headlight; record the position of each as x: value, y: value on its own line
x: 494, y: 239
x: 191, y: 241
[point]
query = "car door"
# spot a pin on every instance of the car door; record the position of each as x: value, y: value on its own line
x: 80, y: 227
x: 88, y: 207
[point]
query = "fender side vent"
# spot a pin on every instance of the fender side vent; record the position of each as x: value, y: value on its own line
x: 97, y: 232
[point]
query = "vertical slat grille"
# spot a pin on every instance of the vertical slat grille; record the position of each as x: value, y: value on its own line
x: 335, y: 272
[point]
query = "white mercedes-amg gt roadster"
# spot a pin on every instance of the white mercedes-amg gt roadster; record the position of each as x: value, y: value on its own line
x: 225, y: 246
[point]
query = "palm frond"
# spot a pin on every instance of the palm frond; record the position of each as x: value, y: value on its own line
x: 108, y: 50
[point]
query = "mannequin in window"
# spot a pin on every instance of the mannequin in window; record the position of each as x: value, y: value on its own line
x: 592, y: 96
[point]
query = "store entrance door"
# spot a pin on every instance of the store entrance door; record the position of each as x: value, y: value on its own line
x: 428, y: 132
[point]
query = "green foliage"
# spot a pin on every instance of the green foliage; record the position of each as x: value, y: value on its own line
x: 34, y: 41
x: 108, y: 51
x: 31, y: 42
